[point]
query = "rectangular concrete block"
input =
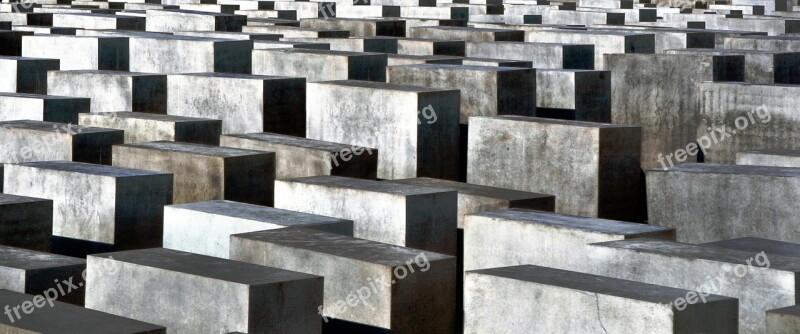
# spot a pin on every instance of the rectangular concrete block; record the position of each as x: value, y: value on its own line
x: 415, y: 128
x: 49, y: 108
x: 468, y: 34
x: 171, y: 20
x: 145, y: 127
x: 301, y: 157
x: 359, y: 27
x: 388, y: 278
x: 12, y: 42
x: 80, y: 52
x: 397, y: 60
x: 582, y: 95
x: 98, y: 21
x: 168, y: 55
x: 403, y: 215
x: 429, y: 47
x: 26, y: 222
x: 25, y: 75
x: 377, y: 44
x: 605, y: 42
x: 776, y: 158
x: 246, y: 297
x: 542, y: 55
x: 245, y: 103
x: 33, y: 272
x: 320, y: 65
x: 27, y: 141
x: 112, y: 90
x: 783, y: 320
x: 761, y: 67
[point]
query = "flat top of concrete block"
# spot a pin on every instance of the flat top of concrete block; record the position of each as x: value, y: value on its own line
x: 366, y: 185
x: 726, y: 51
x: 353, y: 19
x: 700, y: 252
x: 197, y: 149
x: 757, y: 245
x: 69, y: 319
x: 558, y: 220
x: 257, y: 213
x: 553, y: 121
x: 149, y: 116
x: 782, y: 152
x: 598, y: 32
x: 789, y: 310
x: 205, y: 266
x: 287, y: 140
x: 467, y: 29
x: 92, y: 169
x: 423, y: 57
x: 194, y: 12
x: 472, y: 189
x: 109, y: 73
x: 732, y: 169
x: 447, y: 67
x: 592, y: 283
x: 16, y: 58
x: 41, y: 97
x: 433, y: 40
x: 545, y: 70
x: 341, y: 246
x: 7, y: 199
x: 98, y: 15
x: 25, y: 259
x: 69, y: 129
x: 383, y: 86
x: 74, y: 37
x: 536, y: 44
x: 235, y: 76
x: 322, y: 52
x: 107, y: 33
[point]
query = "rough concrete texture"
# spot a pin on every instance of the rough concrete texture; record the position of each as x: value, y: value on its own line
x: 320, y: 65
x: 543, y: 55
x: 205, y: 227
x: 397, y: 214
x: 246, y: 297
x: 112, y: 90
x: 776, y: 158
x: 605, y: 42
x: 26, y: 222
x: 359, y: 27
x: 392, y: 276
x: 28, y: 141
x: 581, y: 95
x: 429, y: 47
x: 25, y: 75
x: 168, y: 54
x: 761, y: 67
x: 33, y: 272
x: 79, y: 52
x: 62, y: 109
x: 784, y: 320
x: 145, y: 127
x: 171, y: 20
x: 205, y: 172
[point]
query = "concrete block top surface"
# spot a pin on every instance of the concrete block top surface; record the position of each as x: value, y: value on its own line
x: 9, y: 199
x: 195, y: 149
x: 149, y: 116
x: 70, y: 319
x: 25, y: 259
x: 233, y: 76
x: 256, y: 212
x: 558, y: 220
x: 39, y: 96
x: 17, y: 58
x: 591, y: 283
x: 725, y: 51
x: 756, y: 245
x: 782, y: 152
x: 455, y: 28
x: 293, y: 141
x: 53, y: 127
x: 699, y: 252
x: 110, y: 73
x: 471, y: 189
x: 323, y: 52
x: 205, y: 266
x: 383, y: 86
x: 353, y: 19
x: 366, y: 185
x: 341, y: 246
x: 703, y: 168
x: 446, y: 67
x: 599, y: 32
x: 92, y: 169
x: 553, y: 121
x: 186, y: 11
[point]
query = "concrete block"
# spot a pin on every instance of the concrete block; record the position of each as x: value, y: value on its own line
x: 397, y: 60
x: 356, y: 44
x: 301, y: 157
x: 533, y: 298
x: 171, y: 20
x: 26, y: 141
x: 496, y: 62
x: 244, y: 103
x: 80, y: 52
x: 542, y: 55
x: 84, y: 219
x: 776, y: 158
x: 98, y: 21
x: 247, y: 297
x: 582, y: 95
x: 419, y: 21
x: 144, y: 127
x: 11, y: 42
x: 26, y: 222
x: 440, y: 13
x: 296, y: 32
x: 761, y: 67
x: 605, y: 41
x: 61, y: 109
x: 168, y: 55
x: 388, y: 279
x: 33, y: 272
x: 468, y: 34
x: 415, y: 128
x: 320, y: 65
x: 206, y: 227
x: 265, y: 45
x: 429, y: 47
x: 112, y: 90
x: 231, y: 35
x: 25, y: 75
x: 397, y: 214
x: 783, y: 320
x: 360, y: 27
x: 525, y: 153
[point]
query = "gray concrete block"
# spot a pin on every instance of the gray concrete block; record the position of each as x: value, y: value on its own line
x: 419, y: 21
x: 761, y: 67
x: 429, y: 47
x: 247, y: 297
x: 385, y: 281
x: 378, y: 44
x: 776, y: 158
x: 582, y: 95
x: 26, y: 222
x: 64, y: 318
x: 599, y: 177
x: 496, y: 62
x: 244, y: 103
x: 397, y: 214
x: 206, y: 227
x: 785, y: 320
x: 397, y: 60
x: 605, y: 41
x: 231, y: 35
x: 12, y: 42
x: 33, y: 272
x: 468, y: 34
x: 296, y: 32
x: 440, y: 13
x: 144, y: 127
x: 301, y: 157
x: 361, y: 27
x: 25, y: 75
x: 264, y: 45
x: 49, y: 108
x: 107, y: 207
x: 80, y: 52
x: 525, y: 299
x: 171, y: 20
x: 320, y: 65
x: 204, y: 172
x: 26, y: 141
x: 542, y: 55
x: 167, y: 55
x: 415, y: 128
x: 98, y: 21
x: 112, y: 90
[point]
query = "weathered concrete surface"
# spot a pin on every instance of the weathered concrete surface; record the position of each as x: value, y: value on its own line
x: 776, y: 158
x: 301, y: 157
x: 760, y: 67
x: 63, y: 318
x: 171, y: 20
x: 320, y: 65
x: 98, y: 21
x: 784, y: 320
x: 246, y: 297
x: 205, y: 172
x: 361, y: 27
x: 26, y: 141
x: 79, y: 52
x: 468, y: 34
x: 168, y: 54
x: 542, y: 55
x: 403, y: 215
x: 605, y: 41
x: 392, y: 277
x: 525, y: 299
x: 582, y: 95
x: 396, y: 60
x: 206, y: 227
x: 245, y: 103
x: 33, y: 272
x: 112, y: 90
x: 378, y: 44
x: 144, y: 127
x: 25, y: 222
x: 598, y: 177
x: 429, y: 47
x: 49, y: 108
x: 25, y: 75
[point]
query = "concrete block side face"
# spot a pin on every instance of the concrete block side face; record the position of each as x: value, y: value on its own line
x: 64, y: 110
x: 23, y: 145
x: 107, y: 92
x: 40, y: 280
x: 526, y: 306
x: 109, y: 282
x: 516, y: 92
x: 424, y: 301
x: 437, y: 153
x: 11, y: 76
x: 286, y: 307
x: 168, y: 56
x: 134, y: 130
x: 113, y: 54
x: 233, y: 57
x: 202, y: 233
x: 645, y: 43
x: 209, y: 97
x: 140, y: 210
x: 729, y: 68
x: 720, y: 317
x: 432, y: 222
x: 778, y: 323
x: 290, y: 161
x: 557, y: 89
x: 250, y: 179
x: 285, y: 106
x: 27, y: 225
x: 363, y: 166
x: 456, y: 48
x: 786, y: 68
x: 13, y: 279
x: 32, y: 75
x: 620, y: 175
x: 700, y: 40
x: 149, y: 94
x: 198, y: 132
x: 758, y: 159
x: 593, y: 96
x: 96, y: 147
x: 231, y: 23
x: 367, y: 67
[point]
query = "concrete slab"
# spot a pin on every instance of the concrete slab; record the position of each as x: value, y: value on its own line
x: 37, y: 273
x: 49, y: 108
x: 112, y: 90
x: 145, y: 127
x: 25, y: 75
x: 27, y: 141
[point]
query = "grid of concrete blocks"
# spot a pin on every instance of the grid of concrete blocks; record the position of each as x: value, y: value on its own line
x: 399, y: 166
